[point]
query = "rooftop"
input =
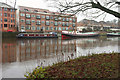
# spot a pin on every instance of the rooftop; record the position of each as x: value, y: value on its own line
x: 5, y: 5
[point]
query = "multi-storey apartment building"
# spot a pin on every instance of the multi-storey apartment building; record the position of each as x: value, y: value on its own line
x: 7, y: 18
x: 36, y: 20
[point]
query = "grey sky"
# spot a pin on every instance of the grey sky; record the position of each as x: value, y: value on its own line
x: 42, y: 4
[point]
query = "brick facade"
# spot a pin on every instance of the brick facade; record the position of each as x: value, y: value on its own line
x: 7, y: 18
x: 36, y: 20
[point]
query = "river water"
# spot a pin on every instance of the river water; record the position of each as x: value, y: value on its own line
x: 23, y: 55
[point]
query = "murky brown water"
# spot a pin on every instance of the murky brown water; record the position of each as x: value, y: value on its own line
x: 22, y: 55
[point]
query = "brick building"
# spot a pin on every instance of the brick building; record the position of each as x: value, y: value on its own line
x: 36, y: 20
x: 7, y: 18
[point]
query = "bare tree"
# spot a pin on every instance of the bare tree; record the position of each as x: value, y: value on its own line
x: 98, y: 7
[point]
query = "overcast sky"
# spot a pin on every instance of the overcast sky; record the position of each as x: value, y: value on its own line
x: 42, y: 4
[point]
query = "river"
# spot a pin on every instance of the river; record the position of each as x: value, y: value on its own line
x: 23, y: 55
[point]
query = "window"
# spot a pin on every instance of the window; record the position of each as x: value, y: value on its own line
x: 43, y: 28
x: 28, y: 22
x: 56, y: 18
x: 33, y: 21
x: 27, y: 27
x: 32, y: 15
x: 51, y: 28
x: 47, y: 17
x: 63, y: 19
x: 73, y: 24
x: 11, y: 26
x: 70, y: 23
x: 5, y: 25
x: 55, y: 28
x: 38, y: 17
x: 38, y: 28
x: 43, y: 21
x: 1, y: 25
x: 11, y: 15
x: 59, y: 28
x: 59, y: 18
x: 1, y: 9
x: 26, y: 10
x: 70, y: 28
x: 67, y: 19
x: 22, y: 14
x: 5, y: 14
x: 56, y: 24
x: 1, y: 19
x: 47, y: 28
x: 51, y: 17
x: 22, y: 28
x: 5, y: 9
x: 38, y: 23
x: 63, y: 24
x: 51, y: 22
x: 5, y: 20
x: 70, y: 19
x: 63, y: 28
x: 59, y: 22
x: 47, y: 23
x: 27, y: 15
x: 22, y: 20
x: 33, y: 28
x: 1, y: 14
x: 73, y: 20
x: 11, y: 10
x: 67, y: 24
x: 43, y: 16
x: 11, y: 20
x: 66, y: 28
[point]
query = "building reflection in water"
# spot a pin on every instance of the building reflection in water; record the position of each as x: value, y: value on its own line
x: 30, y: 49
x: 43, y: 48
x: 8, y: 52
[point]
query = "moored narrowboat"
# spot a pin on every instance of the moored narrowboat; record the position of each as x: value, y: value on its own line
x: 37, y: 35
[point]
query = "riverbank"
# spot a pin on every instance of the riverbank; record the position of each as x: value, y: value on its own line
x: 92, y: 66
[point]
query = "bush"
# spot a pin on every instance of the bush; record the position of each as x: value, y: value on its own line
x: 39, y: 72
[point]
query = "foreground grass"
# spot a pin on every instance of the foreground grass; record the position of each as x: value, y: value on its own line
x: 94, y: 66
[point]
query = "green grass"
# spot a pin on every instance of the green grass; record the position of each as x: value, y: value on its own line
x: 94, y: 66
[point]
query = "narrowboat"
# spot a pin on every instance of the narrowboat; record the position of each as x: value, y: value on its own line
x: 68, y: 34
x: 37, y: 35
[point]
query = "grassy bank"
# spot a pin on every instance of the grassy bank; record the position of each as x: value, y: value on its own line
x: 94, y: 66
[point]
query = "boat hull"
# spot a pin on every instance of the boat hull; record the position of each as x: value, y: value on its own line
x: 22, y: 35
x: 113, y: 34
x: 68, y: 35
